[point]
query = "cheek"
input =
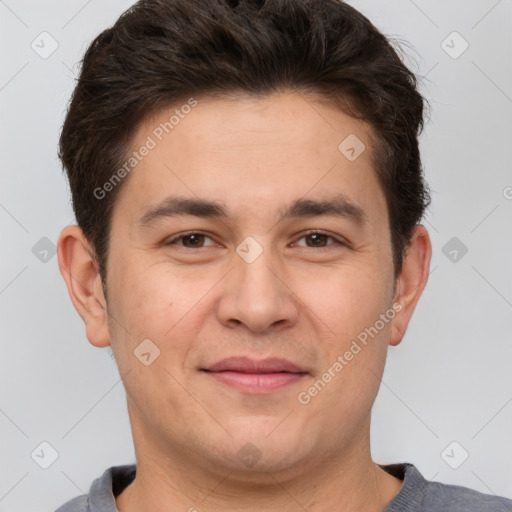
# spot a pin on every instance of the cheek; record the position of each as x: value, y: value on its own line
x: 140, y: 310
x: 355, y: 306
x: 146, y: 297
x: 347, y: 300
x: 150, y: 338
x: 155, y: 302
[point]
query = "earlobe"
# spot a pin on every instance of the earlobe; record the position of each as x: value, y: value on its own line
x: 80, y: 272
x: 411, y: 281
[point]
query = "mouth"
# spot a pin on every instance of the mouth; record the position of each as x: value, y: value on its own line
x: 253, y: 376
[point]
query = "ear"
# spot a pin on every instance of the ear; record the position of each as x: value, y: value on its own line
x: 411, y: 281
x: 81, y: 273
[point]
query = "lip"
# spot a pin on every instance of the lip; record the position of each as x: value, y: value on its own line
x: 255, y: 376
x: 249, y: 365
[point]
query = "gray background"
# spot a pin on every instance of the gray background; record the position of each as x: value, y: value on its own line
x: 449, y: 380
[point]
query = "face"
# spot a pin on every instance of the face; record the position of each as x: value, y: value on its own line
x: 247, y: 328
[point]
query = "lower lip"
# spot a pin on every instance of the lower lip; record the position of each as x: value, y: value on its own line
x: 257, y: 383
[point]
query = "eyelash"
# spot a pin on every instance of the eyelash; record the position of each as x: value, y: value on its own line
x: 308, y: 233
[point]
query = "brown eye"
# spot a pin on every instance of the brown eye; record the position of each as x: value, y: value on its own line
x: 318, y: 239
x: 190, y: 240
x: 196, y: 240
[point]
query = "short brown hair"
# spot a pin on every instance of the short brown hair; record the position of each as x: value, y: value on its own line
x: 162, y: 51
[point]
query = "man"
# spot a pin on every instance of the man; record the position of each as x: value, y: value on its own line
x: 248, y: 190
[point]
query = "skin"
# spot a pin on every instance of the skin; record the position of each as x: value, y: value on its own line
x: 296, y: 301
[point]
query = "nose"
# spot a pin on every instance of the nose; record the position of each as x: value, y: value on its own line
x: 258, y: 295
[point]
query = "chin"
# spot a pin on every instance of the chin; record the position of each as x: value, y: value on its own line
x: 260, y: 445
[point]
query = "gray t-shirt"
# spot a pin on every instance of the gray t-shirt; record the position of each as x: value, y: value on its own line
x: 415, y: 495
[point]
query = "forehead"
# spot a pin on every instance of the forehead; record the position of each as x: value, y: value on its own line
x: 242, y: 150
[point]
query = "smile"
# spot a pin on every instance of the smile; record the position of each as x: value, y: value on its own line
x: 255, y: 377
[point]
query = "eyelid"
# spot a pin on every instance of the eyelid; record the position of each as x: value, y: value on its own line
x: 179, y: 236
x: 338, y: 241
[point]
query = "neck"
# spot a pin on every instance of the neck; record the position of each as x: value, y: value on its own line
x: 348, y: 481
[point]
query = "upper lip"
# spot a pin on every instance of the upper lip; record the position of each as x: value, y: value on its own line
x: 249, y: 365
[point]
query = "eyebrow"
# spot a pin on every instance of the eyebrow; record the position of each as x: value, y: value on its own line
x: 335, y: 206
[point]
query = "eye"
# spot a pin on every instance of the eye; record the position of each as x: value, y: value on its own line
x: 193, y: 240
x: 196, y: 240
x: 319, y: 239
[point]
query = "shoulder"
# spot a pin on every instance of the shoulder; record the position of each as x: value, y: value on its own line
x: 419, y: 494
x: 78, y: 504
x: 458, y: 499
x: 102, y: 491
